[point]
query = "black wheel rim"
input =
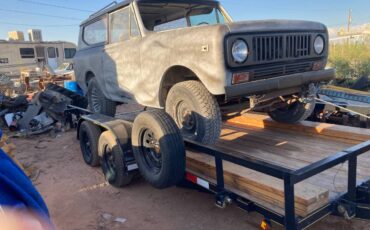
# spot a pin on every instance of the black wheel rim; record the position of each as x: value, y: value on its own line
x: 95, y: 100
x: 186, y: 119
x: 86, y: 147
x: 110, y: 164
x: 150, y: 149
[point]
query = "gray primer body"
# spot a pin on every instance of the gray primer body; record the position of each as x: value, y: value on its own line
x: 138, y: 70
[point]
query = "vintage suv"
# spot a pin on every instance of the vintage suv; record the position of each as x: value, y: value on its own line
x: 191, y: 59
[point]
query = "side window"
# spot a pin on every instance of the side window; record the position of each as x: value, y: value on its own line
x: 206, y: 18
x: 69, y: 53
x: 179, y: 23
x: 4, y: 60
x: 96, y: 32
x: 27, y: 52
x: 135, y: 32
x: 119, y: 25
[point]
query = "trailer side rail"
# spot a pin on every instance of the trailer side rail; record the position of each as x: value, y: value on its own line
x: 291, y: 178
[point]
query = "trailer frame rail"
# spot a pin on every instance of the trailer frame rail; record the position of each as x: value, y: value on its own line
x: 347, y: 205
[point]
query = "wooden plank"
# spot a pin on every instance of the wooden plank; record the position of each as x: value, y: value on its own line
x: 291, y: 146
x: 259, y: 186
x: 293, y: 150
x: 349, y: 134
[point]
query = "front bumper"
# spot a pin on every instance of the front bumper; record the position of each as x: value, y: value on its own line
x: 279, y: 83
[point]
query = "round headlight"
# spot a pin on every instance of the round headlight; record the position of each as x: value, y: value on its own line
x: 240, y: 51
x: 319, y: 45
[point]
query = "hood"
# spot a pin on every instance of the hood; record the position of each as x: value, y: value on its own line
x: 275, y: 26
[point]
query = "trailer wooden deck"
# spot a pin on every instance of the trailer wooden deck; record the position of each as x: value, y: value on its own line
x: 290, y: 146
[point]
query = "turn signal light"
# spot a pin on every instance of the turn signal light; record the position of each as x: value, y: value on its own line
x: 240, y: 78
x: 318, y: 66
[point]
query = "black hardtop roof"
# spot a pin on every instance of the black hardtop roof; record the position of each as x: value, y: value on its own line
x: 127, y: 2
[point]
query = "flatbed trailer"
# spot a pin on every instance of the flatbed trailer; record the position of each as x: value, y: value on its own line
x: 294, y: 175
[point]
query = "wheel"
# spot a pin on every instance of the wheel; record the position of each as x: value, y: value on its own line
x: 195, y: 111
x: 158, y: 149
x: 98, y: 103
x: 89, y: 136
x: 113, y: 161
x: 293, y: 113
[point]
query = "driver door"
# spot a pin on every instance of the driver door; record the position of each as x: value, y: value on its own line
x: 121, y: 64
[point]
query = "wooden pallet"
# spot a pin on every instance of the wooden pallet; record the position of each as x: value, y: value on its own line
x: 291, y: 146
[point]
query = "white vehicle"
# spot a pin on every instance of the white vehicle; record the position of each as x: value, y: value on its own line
x: 17, y: 56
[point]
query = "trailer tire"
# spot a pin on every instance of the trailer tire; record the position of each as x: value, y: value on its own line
x: 195, y: 111
x: 113, y: 161
x: 89, y: 135
x: 158, y: 149
x: 98, y: 103
x: 294, y: 113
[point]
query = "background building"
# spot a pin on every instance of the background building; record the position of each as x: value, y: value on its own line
x: 16, y: 36
x: 35, y: 35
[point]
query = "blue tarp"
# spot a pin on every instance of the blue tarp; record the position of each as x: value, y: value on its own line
x: 16, y: 189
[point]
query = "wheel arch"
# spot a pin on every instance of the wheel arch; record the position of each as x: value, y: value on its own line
x: 173, y: 75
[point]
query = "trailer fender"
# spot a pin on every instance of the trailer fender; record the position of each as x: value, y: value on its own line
x: 120, y: 129
x: 122, y: 134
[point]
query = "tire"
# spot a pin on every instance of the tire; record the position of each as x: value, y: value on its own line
x: 158, y: 149
x: 98, y: 103
x: 113, y: 161
x: 293, y: 113
x: 89, y: 135
x: 195, y: 111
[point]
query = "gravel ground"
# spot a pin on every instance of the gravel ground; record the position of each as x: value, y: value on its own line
x: 79, y: 198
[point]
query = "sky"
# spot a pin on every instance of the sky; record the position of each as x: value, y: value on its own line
x: 62, y: 23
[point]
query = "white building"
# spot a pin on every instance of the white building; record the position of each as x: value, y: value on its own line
x: 35, y: 35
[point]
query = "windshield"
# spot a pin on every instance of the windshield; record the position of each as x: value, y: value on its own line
x: 166, y: 16
x: 64, y: 66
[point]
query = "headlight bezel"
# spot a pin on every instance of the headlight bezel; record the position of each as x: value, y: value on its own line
x: 241, y: 59
x: 319, y: 36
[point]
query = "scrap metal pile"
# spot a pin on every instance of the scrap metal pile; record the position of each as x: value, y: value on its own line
x: 41, y: 112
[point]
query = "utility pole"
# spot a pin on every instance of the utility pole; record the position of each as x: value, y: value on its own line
x: 349, y: 21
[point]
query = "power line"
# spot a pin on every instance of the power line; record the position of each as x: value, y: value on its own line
x: 38, y: 14
x: 22, y: 24
x: 56, y: 6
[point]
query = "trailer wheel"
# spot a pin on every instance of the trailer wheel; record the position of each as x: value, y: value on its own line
x: 294, y: 113
x: 113, y: 161
x: 195, y: 111
x: 98, y: 103
x: 158, y: 149
x: 89, y: 136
